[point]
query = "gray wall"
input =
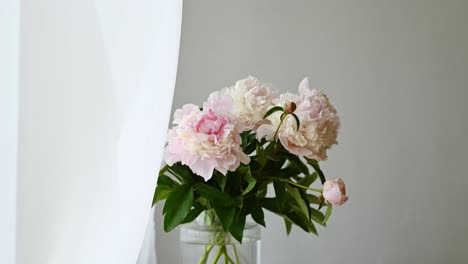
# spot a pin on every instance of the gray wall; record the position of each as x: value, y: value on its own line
x: 397, y: 71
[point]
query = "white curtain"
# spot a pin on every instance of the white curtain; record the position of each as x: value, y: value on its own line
x: 96, y: 80
x: 9, y: 51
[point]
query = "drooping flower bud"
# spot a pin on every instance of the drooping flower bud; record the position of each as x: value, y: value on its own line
x: 290, y: 107
x: 334, y: 191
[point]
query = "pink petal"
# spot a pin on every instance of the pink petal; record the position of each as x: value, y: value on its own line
x: 304, y: 86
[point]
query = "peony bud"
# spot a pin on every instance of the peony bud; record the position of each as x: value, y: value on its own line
x: 290, y: 107
x: 334, y: 191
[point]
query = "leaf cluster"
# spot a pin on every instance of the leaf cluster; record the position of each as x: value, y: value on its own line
x: 244, y: 192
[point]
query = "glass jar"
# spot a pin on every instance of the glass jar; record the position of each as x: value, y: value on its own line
x: 204, y: 241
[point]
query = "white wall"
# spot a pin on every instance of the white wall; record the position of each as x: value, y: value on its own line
x: 397, y: 72
x: 9, y: 51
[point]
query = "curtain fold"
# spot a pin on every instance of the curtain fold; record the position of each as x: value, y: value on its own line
x: 96, y: 87
x: 9, y: 55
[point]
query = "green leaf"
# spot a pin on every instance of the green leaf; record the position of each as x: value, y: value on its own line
x: 237, y: 226
x: 203, y: 202
x: 316, y: 167
x: 308, y: 179
x: 302, y: 222
x: 328, y: 212
x: 262, y: 190
x: 226, y: 216
x: 177, y: 206
x: 249, y: 142
x: 271, y: 205
x: 294, y: 192
x: 281, y: 195
x: 258, y: 216
x: 291, y: 213
x: 250, y: 203
x: 261, y: 158
x: 250, y: 148
x: 183, y: 172
x: 166, y: 180
x: 245, y: 139
x: 215, y: 196
x: 290, y: 171
x: 222, y: 179
x: 312, y: 228
x: 298, y: 123
x: 297, y: 162
x: 233, y: 184
x: 163, y: 170
x: 250, y: 181
x: 313, y: 199
x: 161, y: 193
x: 298, y: 219
x: 288, y: 226
x: 193, y: 214
x: 270, y: 148
x: 317, y: 216
x: 272, y: 110
x: 270, y: 151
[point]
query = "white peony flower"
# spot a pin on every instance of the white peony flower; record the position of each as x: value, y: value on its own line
x: 318, y: 130
x: 252, y: 100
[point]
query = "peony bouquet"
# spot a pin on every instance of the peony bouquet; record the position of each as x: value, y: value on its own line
x: 222, y: 157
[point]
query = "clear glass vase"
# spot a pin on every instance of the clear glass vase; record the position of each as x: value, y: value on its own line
x: 205, y: 242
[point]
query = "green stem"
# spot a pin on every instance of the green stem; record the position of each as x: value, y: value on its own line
x: 295, y: 184
x: 226, y: 256
x: 281, y: 122
x: 204, y: 258
x: 235, y: 253
x: 218, y: 254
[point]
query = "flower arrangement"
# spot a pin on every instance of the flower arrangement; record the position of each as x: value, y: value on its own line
x: 222, y: 157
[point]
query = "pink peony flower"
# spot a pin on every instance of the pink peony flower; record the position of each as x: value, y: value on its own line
x: 211, y: 124
x: 223, y: 104
x: 205, y: 140
x: 334, y: 191
x: 319, y: 123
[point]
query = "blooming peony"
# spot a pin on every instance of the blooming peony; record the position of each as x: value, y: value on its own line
x: 252, y: 100
x: 223, y: 104
x: 205, y: 139
x: 318, y: 130
x: 334, y: 191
